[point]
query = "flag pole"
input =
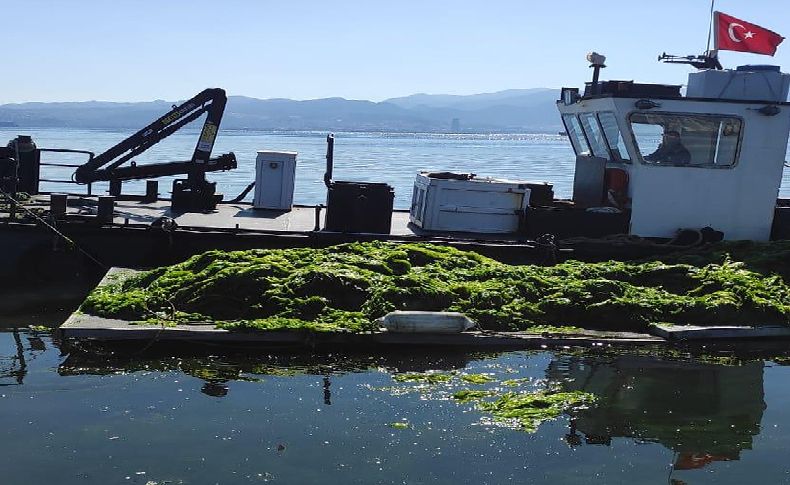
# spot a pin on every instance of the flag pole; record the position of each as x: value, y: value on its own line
x: 710, y: 27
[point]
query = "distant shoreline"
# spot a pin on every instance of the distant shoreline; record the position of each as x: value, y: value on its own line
x: 317, y: 132
x: 510, y: 111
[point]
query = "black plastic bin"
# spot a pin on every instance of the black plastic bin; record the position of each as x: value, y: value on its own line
x: 29, y: 160
x: 359, y: 207
x: 566, y: 222
x: 8, y: 170
x: 781, y: 227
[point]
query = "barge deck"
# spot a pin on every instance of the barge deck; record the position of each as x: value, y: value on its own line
x: 238, y: 217
x: 240, y: 226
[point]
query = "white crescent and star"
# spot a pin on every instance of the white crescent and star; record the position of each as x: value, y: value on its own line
x: 731, y: 32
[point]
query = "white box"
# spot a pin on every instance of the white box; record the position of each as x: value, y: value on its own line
x: 482, y: 205
x: 274, y: 180
x: 741, y: 84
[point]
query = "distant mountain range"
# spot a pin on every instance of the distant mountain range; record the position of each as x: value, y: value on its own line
x: 514, y: 110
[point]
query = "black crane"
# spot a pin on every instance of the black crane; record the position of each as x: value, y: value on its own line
x: 191, y: 194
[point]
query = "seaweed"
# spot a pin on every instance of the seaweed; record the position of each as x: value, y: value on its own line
x: 400, y: 425
x: 528, y: 410
x: 427, y: 377
x: 345, y: 288
x: 515, y: 382
x: 524, y: 410
x: 477, y: 378
x: 470, y: 395
x: 766, y: 258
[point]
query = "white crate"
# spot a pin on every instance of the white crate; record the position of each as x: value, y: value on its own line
x: 274, y: 180
x: 481, y: 205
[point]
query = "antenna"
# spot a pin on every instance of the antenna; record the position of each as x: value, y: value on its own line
x: 708, y: 60
x: 710, y: 26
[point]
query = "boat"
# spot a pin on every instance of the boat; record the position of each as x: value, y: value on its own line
x: 718, y: 179
x: 732, y: 127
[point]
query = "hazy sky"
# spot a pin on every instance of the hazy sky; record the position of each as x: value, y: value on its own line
x: 132, y: 50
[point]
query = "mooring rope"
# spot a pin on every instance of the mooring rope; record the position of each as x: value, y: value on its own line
x: 52, y: 228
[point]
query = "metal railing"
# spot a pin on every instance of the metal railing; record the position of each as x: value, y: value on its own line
x: 67, y: 165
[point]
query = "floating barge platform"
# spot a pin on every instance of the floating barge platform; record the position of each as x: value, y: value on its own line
x: 83, y: 327
x: 87, y: 327
x: 80, y: 326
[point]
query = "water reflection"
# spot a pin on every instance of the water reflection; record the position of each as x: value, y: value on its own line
x: 14, y: 363
x: 703, y: 412
x: 218, y: 367
x: 256, y: 413
x: 14, y: 366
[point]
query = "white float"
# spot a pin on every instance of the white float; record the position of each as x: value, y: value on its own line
x: 426, y: 322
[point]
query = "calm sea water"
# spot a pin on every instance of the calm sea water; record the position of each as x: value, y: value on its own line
x: 373, y: 157
x: 99, y: 418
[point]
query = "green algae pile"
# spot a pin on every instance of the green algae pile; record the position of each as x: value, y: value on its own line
x: 761, y: 257
x: 346, y: 287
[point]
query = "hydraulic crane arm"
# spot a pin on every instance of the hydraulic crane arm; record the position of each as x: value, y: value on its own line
x: 192, y: 193
x: 153, y: 170
x: 210, y: 101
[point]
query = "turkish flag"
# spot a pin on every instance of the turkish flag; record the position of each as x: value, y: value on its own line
x: 736, y: 35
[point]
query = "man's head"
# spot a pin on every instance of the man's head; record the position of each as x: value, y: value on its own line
x: 671, y: 137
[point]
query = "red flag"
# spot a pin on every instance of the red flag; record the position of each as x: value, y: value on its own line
x: 736, y: 35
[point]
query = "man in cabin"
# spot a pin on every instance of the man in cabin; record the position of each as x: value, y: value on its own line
x: 671, y: 150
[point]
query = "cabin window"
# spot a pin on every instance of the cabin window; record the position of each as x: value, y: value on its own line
x: 687, y: 140
x: 614, y: 138
x: 574, y: 130
x: 594, y: 134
